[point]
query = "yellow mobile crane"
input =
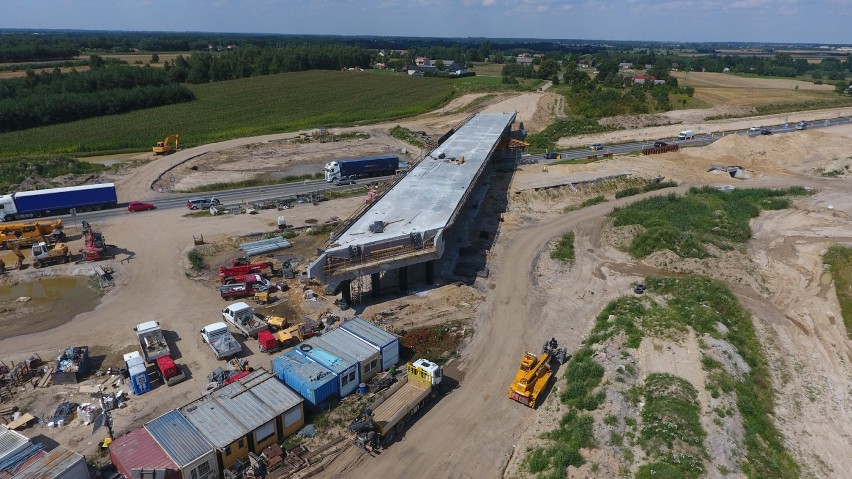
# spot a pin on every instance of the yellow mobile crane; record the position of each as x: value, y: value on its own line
x: 535, y: 373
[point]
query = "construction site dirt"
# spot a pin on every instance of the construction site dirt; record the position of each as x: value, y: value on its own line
x: 527, y: 297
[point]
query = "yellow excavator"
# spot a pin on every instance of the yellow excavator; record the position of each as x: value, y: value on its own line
x: 14, y: 247
x: 45, y: 253
x: 535, y: 373
x: 169, y: 145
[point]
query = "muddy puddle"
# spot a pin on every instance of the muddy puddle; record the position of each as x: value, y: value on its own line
x: 53, y: 302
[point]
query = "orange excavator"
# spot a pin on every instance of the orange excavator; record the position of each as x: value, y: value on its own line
x: 169, y: 145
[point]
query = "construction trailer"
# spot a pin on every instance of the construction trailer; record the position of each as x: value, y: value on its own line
x: 367, y: 357
x: 246, y: 416
x: 385, y: 342
x: 316, y: 384
x: 21, y: 457
x: 344, y: 367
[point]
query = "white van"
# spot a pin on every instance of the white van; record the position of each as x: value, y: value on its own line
x: 686, y: 135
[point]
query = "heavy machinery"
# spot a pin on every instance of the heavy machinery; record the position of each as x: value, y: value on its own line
x: 169, y: 145
x: 385, y: 419
x: 45, y: 254
x: 27, y: 232
x: 535, y: 373
x: 14, y: 247
x: 94, y: 247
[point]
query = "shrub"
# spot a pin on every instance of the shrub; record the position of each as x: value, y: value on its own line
x: 195, y: 260
x: 564, y: 250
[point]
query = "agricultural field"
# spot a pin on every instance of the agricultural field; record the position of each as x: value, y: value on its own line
x: 722, y: 89
x: 487, y: 69
x: 143, y: 58
x: 246, y: 107
x: 728, y: 80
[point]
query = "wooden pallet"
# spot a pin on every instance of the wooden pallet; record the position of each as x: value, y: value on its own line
x: 46, y: 379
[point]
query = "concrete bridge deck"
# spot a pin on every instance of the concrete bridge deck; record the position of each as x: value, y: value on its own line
x: 406, y: 225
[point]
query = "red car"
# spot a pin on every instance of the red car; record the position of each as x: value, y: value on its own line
x: 135, y: 206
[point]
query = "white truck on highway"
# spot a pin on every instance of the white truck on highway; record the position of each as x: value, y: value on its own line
x: 385, y: 419
x: 686, y: 135
x: 151, y: 340
x: 220, y: 340
x: 243, y: 317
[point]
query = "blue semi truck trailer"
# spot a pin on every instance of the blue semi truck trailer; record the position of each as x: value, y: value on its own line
x: 362, y: 167
x: 57, y: 201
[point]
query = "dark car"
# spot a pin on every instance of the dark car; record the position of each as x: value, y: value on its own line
x: 135, y: 206
x: 658, y: 144
x: 346, y: 180
x: 765, y: 132
x: 552, y: 156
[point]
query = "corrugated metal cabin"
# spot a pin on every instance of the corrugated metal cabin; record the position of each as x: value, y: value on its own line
x: 58, y: 463
x: 316, y: 384
x: 246, y: 416
x: 138, y: 451
x: 368, y: 358
x: 387, y: 343
x: 193, y: 455
x: 344, y: 367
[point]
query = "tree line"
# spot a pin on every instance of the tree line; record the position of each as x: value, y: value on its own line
x: 53, y: 97
x: 243, y: 62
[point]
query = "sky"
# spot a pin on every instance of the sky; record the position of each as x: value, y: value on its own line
x: 775, y: 21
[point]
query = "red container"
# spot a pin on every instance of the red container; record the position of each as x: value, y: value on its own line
x: 237, y: 376
x: 167, y: 367
x: 268, y: 341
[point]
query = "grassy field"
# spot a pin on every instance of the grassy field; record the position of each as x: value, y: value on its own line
x: 667, y: 426
x: 840, y: 259
x: 490, y: 83
x: 487, y: 69
x: 251, y: 106
x: 762, y: 96
x: 564, y: 249
x: 684, y: 224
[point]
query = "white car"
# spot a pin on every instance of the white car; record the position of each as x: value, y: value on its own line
x: 755, y: 129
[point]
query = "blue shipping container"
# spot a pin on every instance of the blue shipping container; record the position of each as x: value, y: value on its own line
x: 313, y: 382
x: 346, y: 369
x: 60, y: 200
